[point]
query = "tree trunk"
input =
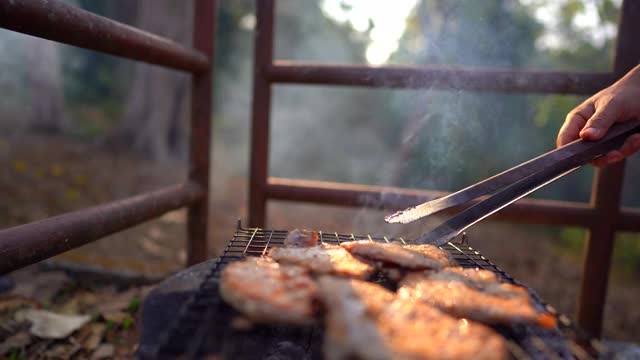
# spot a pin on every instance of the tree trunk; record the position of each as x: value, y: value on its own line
x: 45, y: 87
x: 154, y: 122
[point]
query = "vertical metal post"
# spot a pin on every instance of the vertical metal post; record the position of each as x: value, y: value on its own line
x: 201, y: 117
x: 261, y: 111
x: 605, y: 198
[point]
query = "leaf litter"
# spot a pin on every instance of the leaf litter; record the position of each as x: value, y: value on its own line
x: 48, y: 316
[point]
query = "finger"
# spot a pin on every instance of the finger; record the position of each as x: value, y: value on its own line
x: 631, y: 145
x: 608, y: 159
x: 574, y: 122
x: 598, y: 124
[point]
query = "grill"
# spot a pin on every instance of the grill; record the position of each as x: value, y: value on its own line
x: 204, y: 325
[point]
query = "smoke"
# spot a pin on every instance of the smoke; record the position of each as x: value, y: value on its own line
x: 14, y: 100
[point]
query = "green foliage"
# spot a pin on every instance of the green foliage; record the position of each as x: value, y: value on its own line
x: 109, y: 325
x: 626, y: 251
x: 95, y: 84
x: 571, y: 240
x: 127, y: 323
x: 134, y: 304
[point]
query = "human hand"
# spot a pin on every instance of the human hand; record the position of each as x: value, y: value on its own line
x: 592, y: 119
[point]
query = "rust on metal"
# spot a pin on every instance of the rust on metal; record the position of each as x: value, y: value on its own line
x: 201, y: 118
x: 260, y: 113
x: 27, y: 244
x: 441, y: 77
x: 606, y: 195
x: 58, y: 21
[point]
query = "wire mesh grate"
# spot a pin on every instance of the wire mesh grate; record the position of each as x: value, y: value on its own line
x: 202, y: 326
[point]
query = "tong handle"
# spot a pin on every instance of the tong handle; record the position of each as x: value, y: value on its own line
x: 558, y: 163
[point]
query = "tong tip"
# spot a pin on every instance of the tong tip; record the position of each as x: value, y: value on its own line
x: 400, y: 217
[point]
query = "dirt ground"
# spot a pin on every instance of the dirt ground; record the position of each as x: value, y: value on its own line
x: 48, y: 176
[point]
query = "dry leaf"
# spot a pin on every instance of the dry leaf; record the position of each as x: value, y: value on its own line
x: 48, y: 325
x: 16, y: 341
x: 43, y: 287
x: 81, y: 302
x: 117, y: 317
x: 9, y: 303
x: 104, y: 351
x: 61, y: 351
x: 120, y: 302
x: 94, y: 336
x: 152, y: 248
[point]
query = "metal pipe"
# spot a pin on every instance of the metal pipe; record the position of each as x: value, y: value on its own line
x: 532, y: 211
x: 629, y: 219
x: 201, y: 118
x: 260, y: 113
x: 440, y: 77
x: 58, y: 21
x: 27, y: 244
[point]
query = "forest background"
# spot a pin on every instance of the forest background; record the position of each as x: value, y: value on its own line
x: 78, y: 128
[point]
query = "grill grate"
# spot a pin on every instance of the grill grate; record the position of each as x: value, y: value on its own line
x: 203, y: 325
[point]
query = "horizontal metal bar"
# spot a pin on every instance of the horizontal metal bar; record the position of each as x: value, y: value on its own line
x: 532, y: 211
x: 629, y: 219
x: 440, y: 77
x: 55, y: 20
x: 27, y: 244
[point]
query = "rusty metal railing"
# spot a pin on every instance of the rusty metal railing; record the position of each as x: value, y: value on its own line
x: 603, y: 217
x: 55, y: 20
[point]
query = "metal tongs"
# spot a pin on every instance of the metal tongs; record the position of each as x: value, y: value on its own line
x: 511, y: 185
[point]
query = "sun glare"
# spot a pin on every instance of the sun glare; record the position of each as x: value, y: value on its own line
x: 385, y: 20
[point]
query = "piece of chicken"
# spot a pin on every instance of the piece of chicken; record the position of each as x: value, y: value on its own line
x: 268, y: 292
x: 366, y: 321
x: 351, y: 330
x: 413, y: 257
x: 494, y: 303
x: 301, y: 238
x: 472, y: 276
x: 324, y: 259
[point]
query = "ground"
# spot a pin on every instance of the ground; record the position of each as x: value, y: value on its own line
x: 45, y: 176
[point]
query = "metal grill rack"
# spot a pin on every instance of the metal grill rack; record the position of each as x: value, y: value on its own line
x: 203, y: 324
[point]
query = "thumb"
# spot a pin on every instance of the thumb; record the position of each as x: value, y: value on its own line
x: 599, y: 123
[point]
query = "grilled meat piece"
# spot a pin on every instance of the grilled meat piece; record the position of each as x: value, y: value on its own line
x: 350, y: 327
x: 484, y: 280
x: 301, y: 238
x: 324, y: 259
x: 473, y: 276
x: 492, y: 304
x: 440, y: 336
x: 267, y: 292
x: 414, y: 257
x: 366, y: 321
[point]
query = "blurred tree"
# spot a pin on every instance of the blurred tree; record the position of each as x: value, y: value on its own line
x: 445, y: 130
x: 95, y: 81
x: 153, y: 123
x: 45, y: 86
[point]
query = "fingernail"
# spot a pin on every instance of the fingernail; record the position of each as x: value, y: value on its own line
x: 590, y: 132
